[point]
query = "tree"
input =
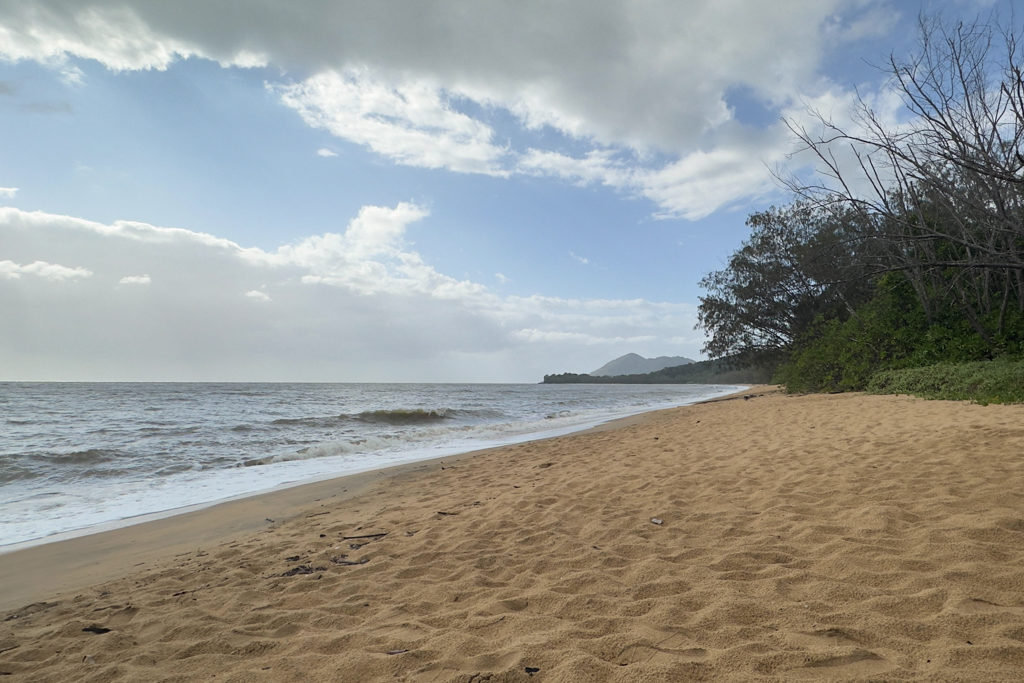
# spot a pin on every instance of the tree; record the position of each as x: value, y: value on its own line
x: 800, y: 262
x: 946, y: 190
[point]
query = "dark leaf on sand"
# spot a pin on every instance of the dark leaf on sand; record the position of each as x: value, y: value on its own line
x: 303, y: 569
x: 396, y: 652
x: 96, y: 629
x: 532, y: 669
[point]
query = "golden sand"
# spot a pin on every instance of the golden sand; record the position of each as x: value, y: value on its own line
x: 777, y: 537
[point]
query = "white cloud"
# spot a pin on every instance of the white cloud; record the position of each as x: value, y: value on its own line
x: 10, y: 270
x: 639, y: 93
x: 358, y: 305
x: 409, y: 122
x: 324, y: 152
x: 541, y: 336
x: 874, y: 22
x: 134, y: 280
x: 8, y: 191
x: 702, y: 182
x: 116, y: 34
x: 580, y: 259
x: 598, y: 166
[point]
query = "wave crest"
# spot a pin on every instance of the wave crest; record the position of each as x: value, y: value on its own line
x: 405, y: 416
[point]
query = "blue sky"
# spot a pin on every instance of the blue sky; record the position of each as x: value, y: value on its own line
x: 436, y: 191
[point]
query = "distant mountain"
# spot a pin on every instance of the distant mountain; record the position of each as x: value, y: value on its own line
x: 634, y: 364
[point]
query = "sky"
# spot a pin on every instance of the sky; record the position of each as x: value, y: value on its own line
x: 395, y: 191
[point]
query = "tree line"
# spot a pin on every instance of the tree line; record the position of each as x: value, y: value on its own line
x: 721, y: 371
x: 908, y: 248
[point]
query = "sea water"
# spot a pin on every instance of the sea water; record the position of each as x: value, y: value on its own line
x: 82, y: 456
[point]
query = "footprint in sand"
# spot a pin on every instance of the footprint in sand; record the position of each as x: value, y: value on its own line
x: 856, y: 663
x: 650, y: 654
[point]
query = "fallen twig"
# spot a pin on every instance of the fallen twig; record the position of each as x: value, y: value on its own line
x: 349, y: 538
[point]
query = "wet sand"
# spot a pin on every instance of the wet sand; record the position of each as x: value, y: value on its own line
x: 775, y: 538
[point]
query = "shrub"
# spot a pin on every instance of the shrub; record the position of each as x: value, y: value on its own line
x: 995, y: 381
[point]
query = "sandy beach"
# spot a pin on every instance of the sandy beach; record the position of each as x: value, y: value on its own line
x: 761, y: 537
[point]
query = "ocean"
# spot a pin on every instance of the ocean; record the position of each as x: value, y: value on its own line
x: 78, y: 457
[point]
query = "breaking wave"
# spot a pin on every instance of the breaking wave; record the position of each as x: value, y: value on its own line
x: 89, y: 456
x: 405, y: 416
x: 396, y: 417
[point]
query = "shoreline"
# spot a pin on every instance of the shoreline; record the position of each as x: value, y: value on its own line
x: 840, y: 537
x: 411, y: 454
x: 91, y: 555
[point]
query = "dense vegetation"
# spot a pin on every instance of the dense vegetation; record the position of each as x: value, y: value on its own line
x: 997, y: 381
x: 910, y: 252
x: 722, y: 371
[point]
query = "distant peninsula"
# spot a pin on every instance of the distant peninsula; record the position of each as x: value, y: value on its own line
x: 633, y: 369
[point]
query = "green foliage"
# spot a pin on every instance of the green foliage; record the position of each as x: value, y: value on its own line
x: 891, y: 331
x: 995, y: 381
x: 841, y: 355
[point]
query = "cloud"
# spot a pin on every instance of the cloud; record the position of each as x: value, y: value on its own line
x: 257, y: 295
x: 632, y: 97
x: 702, y: 182
x: 47, y: 271
x: 357, y: 305
x: 540, y: 336
x: 409, y: 122
x: 596, y: 167
x: 580, y: 259
x: 324, y: 152
x: 8, y: 191
x: 112, y: 33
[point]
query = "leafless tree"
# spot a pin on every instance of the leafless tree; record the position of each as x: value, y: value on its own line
x: 944, y: 192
